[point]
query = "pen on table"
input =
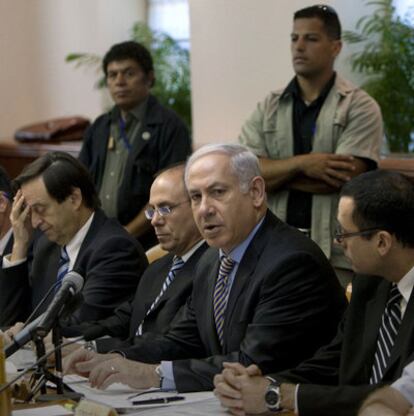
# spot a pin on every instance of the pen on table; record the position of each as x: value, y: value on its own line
x: 159, y: 400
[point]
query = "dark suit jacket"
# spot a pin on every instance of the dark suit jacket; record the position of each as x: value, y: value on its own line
x: 123, y: 325
x: 110, y: 260
x: 335, y: 381
x: 169, y: 142
x: 285, y: 302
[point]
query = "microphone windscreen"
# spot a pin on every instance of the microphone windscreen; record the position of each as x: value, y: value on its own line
x: 75, y: 280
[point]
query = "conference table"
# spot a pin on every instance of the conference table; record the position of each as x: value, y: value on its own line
x: 195, y: 404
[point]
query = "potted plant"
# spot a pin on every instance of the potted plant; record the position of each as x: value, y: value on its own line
x: 171, y: 65
x: 387, y: 60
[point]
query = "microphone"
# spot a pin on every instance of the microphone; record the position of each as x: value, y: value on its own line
x: 72, y: 284
x: 23, y: 337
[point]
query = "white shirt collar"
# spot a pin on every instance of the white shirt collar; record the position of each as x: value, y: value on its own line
x: 406, y: 284
x: 192, y: 250
x: 74, y: 245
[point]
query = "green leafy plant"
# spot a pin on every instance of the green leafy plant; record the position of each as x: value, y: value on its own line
x: 171, y: 65
x: 387, y: 59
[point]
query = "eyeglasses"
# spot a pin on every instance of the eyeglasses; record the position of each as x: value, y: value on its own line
x: 162, y: 211
x: 340, y: 235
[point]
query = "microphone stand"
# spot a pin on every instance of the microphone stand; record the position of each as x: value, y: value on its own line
x: 42, y: 374
x: 45, y: 374
x: 57, y: 340
x: 36, y: 364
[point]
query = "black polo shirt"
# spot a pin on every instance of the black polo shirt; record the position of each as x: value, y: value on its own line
x: 299, y: 209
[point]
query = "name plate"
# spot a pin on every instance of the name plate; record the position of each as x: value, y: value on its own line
x: 91, y: 408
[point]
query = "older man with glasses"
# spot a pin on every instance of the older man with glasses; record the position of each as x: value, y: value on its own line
x: 315, y: 134
x: 375, y: 339
x: 167, y: 282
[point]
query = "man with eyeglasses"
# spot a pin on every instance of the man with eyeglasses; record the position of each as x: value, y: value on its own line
x: 167, y: 282
x: 315, y: 134
x: 375, y: 340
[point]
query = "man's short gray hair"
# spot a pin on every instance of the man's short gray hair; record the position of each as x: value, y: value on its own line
x: 243, y: 162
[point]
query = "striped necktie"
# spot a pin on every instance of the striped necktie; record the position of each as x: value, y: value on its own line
x: 178, y: 263
x: 390, y: 324
x: 63, y: 267
x: 221, y: 294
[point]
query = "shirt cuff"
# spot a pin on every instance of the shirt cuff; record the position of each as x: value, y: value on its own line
x: 405, y: 385
x: 7, y: 263
x: 296, y: 409
x: 168, y: 382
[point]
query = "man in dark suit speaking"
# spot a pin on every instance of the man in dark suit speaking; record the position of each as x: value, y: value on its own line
x: 57, y: 201
x: 375, y: 340
x: 263, y: 293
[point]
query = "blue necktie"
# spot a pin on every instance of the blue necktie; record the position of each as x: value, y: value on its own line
x: 178, y: 263
x: 390, y: 324
x: 221, y: 294
x: 63, y: 267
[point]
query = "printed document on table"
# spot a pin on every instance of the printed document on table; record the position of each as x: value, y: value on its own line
x: 120, y: 396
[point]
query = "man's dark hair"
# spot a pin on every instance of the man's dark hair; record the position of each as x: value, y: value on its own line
x: 129, y: 50
x: 5, y: 184
x: 383, y: 200
x: 61, y: 173
x: 326, y: 14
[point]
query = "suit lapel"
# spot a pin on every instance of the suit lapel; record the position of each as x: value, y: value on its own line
x: 245, y: 270
x: 373, y: 314
x: 97, y: 222
x: 210, y: 326
x: 157, y: 284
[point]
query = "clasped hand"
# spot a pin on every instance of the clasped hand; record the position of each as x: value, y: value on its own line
x: 333, y: 169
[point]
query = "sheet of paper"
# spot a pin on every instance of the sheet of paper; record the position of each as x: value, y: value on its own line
x: 117, y: 395
x: 197, y: 404
x: 10, y: 368
x: 23, y: 358
x: 43, y: 411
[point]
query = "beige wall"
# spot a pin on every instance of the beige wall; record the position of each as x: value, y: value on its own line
x: 35, y: 36
x: 240, y: 51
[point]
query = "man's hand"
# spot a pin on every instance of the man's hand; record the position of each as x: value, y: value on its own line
x: 331, y: 168
x: 241, y: 389
x: 386, y: 401
x: 66, y: 350
x: 83, y: 361
x: 20, y: 219
x: 120, y: 370
x: 11, y: 332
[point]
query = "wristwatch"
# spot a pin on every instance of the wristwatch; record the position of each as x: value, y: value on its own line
x: 90, y: 346
x: 273, y: 397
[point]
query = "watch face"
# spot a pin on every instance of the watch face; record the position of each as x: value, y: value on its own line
x: 272, y: 397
